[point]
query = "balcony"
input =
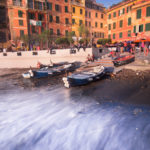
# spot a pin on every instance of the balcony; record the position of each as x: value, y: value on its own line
x: 17, y: 3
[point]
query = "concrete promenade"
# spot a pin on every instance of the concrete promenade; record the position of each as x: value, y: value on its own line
x: 27, y: 59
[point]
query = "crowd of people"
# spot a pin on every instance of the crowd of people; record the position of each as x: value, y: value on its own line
x: 131, y: 47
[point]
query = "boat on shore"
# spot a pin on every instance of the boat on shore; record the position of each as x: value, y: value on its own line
x: 122, y: 60
x: 48, y: 72
x: 84, y: 77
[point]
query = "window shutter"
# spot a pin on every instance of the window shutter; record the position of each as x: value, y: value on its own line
x: 129, y: 21
x: 138, y: 14
x: 147, y: 11
x: 147, y: 27
x: 134, y: 29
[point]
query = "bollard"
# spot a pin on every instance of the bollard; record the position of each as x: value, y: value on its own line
x: 34, y: 53
x: 4, y: 54
x: 19, y: 54
x: 72, y: 51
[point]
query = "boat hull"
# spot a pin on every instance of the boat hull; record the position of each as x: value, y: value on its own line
x: 123, y: 61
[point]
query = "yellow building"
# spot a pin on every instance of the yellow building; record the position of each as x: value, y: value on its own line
x: 78, y: 15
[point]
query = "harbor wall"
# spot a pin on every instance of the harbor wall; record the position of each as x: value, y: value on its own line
x: 25, y: 59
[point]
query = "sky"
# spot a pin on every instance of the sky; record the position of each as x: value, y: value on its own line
x: 108, y: 3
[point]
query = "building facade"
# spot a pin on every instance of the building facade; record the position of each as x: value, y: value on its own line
x: 78, y: 15
x: 128, y: 20
x: 95, y: 19
x: 4, y: 24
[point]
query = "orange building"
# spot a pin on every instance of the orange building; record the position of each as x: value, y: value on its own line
x: 17, y: 12
x: 141, y: 20
x: 59, y: 17
x: 95, y: 19
x: 128, y: 20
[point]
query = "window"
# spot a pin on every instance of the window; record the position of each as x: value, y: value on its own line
x: 66, y: 20
x: 134, y: 29
x: 66, y: 9
x: 101, y: 25
x: 148, y: 12
x: 127, y: 9
x: 74, y: 10
x: 33, y: 29
x: 121, y: 23
x: 51, y: 31
x: 114, y: 25
x: 114, y: 36
x: 123, y: 11
x: 129, y: 33
x: 81, y: 11
x: 21, y: 22
x: 119, y: 13
x: 50, y: 18
x: 96, y: 15
x: 120, y: 35
x: 80, y: 22
x: 138, y: 14
x: 86, y: 23
x: 89, y: 14
x: 96, y: 24
x: 66, y: 32
x: 57, y: 7
x: 85, y: 13
x: 147, y: 27
x: 102, y: 16
x: 129, y: 21
x: 109, y: 27
x: 66, y: 1
x: 89, y: 24
x: 58, y: 32
x: 31, y: 16
x: 109, y: 36
x: 49, y: 6
x: 109, y: 17
x: 57, y: 19
x: 40, y: 17
x: 20, y: 13
x: 21, y: 33
x: 73, y: 21
x: 114, y: 14
x: 141, y: 28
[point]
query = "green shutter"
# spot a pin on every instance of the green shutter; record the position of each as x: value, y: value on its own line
x: 114, y: 14
x: 129, y: 21
x: 114, y: 25
x: 147, y: 27
x: 114, y: 36
x: 109, y: 16
x: 109, y: 27
x: 129, y: 33
x: 147, y: 11
x: 121, y: 23
x: 134, y: 30
x: 139, y: 14
x: 109, y: 36
x: 120, y: 35
x: 141, y: 28
x: 127, y: 9
x: 123, y: 11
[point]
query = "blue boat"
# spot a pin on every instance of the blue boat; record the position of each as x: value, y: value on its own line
x: 48, y: 72
x: 84, y: 77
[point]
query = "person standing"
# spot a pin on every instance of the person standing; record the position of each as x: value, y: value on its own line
x: 125, y: 46
x: 142, y: 46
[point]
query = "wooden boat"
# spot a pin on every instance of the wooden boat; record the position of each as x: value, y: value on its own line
x: 122, y: 60
x: 48, y: 72
x: 84, y: 77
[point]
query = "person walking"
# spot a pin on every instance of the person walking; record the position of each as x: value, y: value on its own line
x: 146, y: 48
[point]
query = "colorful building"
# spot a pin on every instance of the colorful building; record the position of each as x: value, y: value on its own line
x: 141, y: 20
x: 17, y: 12
x: 59, y: 17
x: 78, y: 15
x: 95, y: 19
x: 4, y: 24
x: 128, y: 20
